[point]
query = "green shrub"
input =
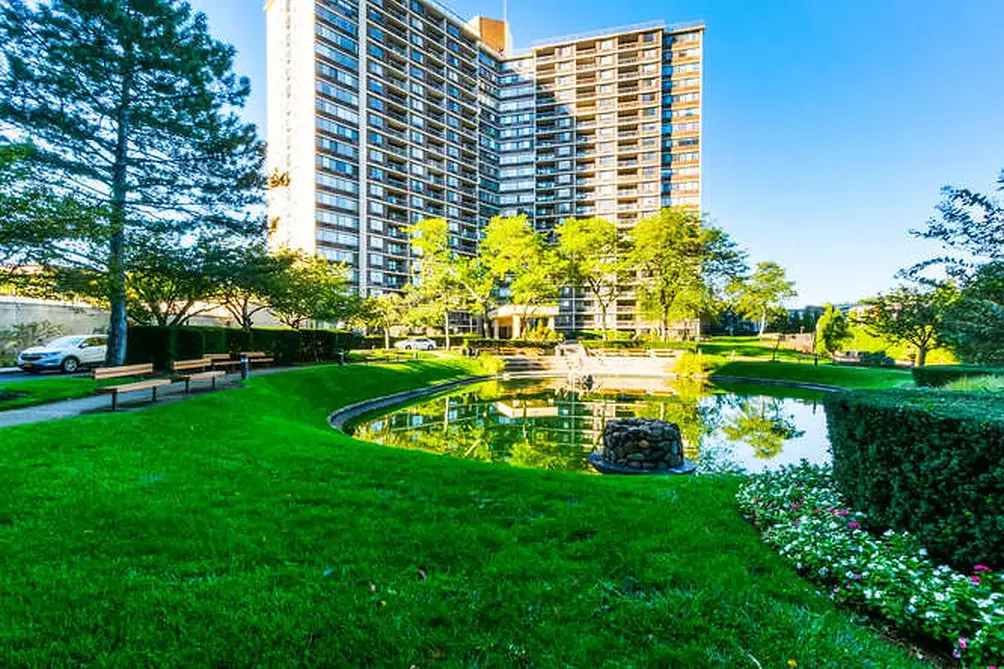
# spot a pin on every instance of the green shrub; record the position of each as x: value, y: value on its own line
x: 151, y: 343
x: 936, y: 376
x: 977, y: 384
x: 930, y: 463
x: 161, y: 345
x: 693, y: 364
x: 237, y: 341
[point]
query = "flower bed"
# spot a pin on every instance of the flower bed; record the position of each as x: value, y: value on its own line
x: 801, y: 513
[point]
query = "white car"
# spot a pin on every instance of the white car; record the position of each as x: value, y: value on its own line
x: 416, y: 344
x: 67, y: 354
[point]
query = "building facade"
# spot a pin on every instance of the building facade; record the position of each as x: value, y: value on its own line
x: 385, y: 112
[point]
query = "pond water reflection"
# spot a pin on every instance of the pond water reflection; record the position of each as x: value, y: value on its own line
x: 551, y: 424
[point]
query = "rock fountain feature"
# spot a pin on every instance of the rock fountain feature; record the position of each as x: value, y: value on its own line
x: 641, y: 446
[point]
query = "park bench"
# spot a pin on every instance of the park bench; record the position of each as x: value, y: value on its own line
x: 663, y: 352
x: 222, y: 361
x: 257, y: 357
x: 195, y: 370
x: 101, y: 373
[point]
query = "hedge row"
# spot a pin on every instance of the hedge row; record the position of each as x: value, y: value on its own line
x: 929, y: 463
x: 936, y: 376
x: 161, y: 345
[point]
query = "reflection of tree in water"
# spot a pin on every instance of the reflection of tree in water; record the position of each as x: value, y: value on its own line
x: 470, y: 425
x: 761, y: 422
x: 684, y: 408
x: 548, y: 424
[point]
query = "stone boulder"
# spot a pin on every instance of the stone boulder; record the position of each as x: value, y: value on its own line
x: 642, y: 444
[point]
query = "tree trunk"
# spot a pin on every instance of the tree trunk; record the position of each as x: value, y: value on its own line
x: 603, y: 315
x: 118, y: 326
x: 763, y: 321
x: 921, y: 355
x: 245, y: 316
x: 118, y: 323
x: 446, y: 329
x: 386, y: 336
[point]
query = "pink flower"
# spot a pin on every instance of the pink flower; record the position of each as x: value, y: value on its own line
x: 853, y: 525
x: 981, y: 567
x: 857, y: 577
x: 975, y: 579
x: 794, y: 506
x: 963, y: 642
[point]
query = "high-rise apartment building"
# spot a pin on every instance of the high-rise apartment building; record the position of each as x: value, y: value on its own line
x: 385, y: 112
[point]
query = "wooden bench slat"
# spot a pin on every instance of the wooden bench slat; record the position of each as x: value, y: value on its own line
x: 191, y: 364
x: 123, y: 370
x: 199, y: 376
x: 151, y: 384
x: 138, y: 385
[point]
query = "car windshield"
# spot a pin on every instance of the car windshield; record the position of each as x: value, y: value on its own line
x: 63, y: 342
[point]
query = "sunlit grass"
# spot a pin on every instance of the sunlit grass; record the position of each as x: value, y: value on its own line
x: 238, y: 529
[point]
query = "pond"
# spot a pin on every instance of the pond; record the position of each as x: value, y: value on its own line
x: 553, y: 424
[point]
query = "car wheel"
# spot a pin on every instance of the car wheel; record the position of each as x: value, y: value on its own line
x: 407, y: 347
x: 70, y: 365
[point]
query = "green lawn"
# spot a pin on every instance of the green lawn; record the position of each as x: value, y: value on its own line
x: 19, y: 394
x: 830, y: 375
x: 238, y: 529
x: 741, y: 348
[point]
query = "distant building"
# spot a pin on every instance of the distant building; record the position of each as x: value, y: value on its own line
x: 385, y: 112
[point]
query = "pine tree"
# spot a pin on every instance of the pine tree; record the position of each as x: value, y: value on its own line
x: 131, y: 108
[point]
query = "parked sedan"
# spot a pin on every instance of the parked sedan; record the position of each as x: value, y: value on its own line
x: 416, y: 344
x: 67, y: 354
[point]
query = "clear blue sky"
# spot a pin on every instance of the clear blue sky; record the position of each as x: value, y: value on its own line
x: 829, y: 127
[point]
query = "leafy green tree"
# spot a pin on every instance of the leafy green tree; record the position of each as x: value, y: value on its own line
x: 973, y: 325
x: 970, y: 227
x: 243, y: 277
x: 311, y: 288
x: 436, y: 289
x: 591, y: 257
x: 30, y: 212
x: 832, y: 330
x: 763, y: 294
x: 522, y: 262
x: 682, y: 264
x: 911, y: 316
x: 131, y: 107
x: 169, y: 288
x: 383, y: 312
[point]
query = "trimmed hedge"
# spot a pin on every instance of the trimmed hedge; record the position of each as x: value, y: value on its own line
x: 162, y: 345
x: 936, y: 376
x: 929, y: 463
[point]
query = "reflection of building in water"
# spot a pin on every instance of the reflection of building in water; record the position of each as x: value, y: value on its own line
x: 491, y: 422
x: 526, y: 409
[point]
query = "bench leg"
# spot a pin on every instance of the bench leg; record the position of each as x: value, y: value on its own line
x: 213, y: 382
x: 154, y: 389
x: 115, y: 401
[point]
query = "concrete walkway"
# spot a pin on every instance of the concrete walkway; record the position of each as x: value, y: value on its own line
x: 129, y: 402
